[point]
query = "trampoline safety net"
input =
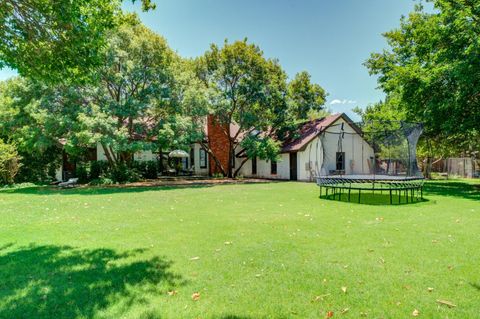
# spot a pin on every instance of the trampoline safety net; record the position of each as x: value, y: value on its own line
x: 371, y: 156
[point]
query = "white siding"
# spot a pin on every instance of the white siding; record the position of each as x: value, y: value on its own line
x: 144, y: 156
x: 196, y: 153
x: 264, y: 168
x: 139, y: 156
x: 309, y: 161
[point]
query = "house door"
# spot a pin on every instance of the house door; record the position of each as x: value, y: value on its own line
x: 254, y: 166
x: 293, y: 166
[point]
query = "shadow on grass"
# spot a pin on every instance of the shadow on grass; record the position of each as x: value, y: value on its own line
x: 468, y: 190
x: 96, y: 190
x: 377, y: 198
x: 475, y: 285
x: 64, y: 282
x: 117, y: 189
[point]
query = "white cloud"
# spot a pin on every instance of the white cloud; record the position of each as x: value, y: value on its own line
x: 337, y: 101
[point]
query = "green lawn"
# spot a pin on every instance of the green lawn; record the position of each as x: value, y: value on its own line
x: 272, y: 250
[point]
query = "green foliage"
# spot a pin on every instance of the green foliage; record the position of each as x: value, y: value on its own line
x: 147, y: 169
x: 101, y: 181
x: 244, y: 88
x: 81, y: 173
x: 305, y: 96
x: 57, y: 40
x: 433, y: 67
x: 121, y: 173
x: 9, y: 163
x: 260, y: 147
x: 98, y: 169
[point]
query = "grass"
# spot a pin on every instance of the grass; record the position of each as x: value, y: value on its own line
x: 270, y: 250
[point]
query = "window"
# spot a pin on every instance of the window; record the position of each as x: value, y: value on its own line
x: 192, y: 157
x: 273, y: 167
x: 203, y: 158
x: 340, y: 161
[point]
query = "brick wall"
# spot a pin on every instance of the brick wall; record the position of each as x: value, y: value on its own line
x: 218, y: 143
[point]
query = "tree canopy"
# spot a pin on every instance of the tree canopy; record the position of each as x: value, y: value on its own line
x: 432, y: 69
x: 56, y: 40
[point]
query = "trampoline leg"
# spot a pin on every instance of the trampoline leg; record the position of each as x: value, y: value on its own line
x: 421, y: 192
x: 326, y: 193
x: 390, y: 196
x: 320, y: 196
x: 406, y: 195
x: 359, y: 192
x: 399, y: 196
x: 349, y: 190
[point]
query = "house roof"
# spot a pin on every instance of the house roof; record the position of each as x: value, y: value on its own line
x: 307, y: 131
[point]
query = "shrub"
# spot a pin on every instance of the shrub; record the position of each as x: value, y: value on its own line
x: 151, y: 170
x: 38, y: 166
x: 101, y: 181
x: 9, y: 163
x: 82, y: 174
x: 122, y: 174
x: 98, y: 169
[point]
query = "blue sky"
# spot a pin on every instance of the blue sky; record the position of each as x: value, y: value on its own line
x: 328, y: 38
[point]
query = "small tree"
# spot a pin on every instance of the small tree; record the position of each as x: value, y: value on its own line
x: 9, y: 163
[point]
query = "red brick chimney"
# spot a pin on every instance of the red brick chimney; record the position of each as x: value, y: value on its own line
x: 218, y: 143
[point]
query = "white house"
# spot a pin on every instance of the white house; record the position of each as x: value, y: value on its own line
x: 331, y: 145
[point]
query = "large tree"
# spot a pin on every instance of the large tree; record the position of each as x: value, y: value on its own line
x: 56, y: 40
x: 433, y: 67
x: 247, y: 90
x: 133, y: 95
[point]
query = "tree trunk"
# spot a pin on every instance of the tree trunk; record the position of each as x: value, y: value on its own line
x: 109, y: 157
x: 240, y: 167
x: 209, y: 151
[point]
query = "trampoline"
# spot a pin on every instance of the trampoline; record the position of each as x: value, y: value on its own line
x: 385, y: 162
x: 397, y: 187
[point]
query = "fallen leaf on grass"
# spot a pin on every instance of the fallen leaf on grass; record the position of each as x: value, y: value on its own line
x: 447, y: 303
x: 172, y: 292
x: 320, y: 297
x: 195, y: 258
x: 329, y: 314
x: 228, y: 243
x: 195, y: 296
x: 415, y: 313
x: 344, y: 289
x: 344, y: 311
x: 430, y: 289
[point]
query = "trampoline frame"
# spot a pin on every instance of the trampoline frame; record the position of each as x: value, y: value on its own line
x: 394, y: 185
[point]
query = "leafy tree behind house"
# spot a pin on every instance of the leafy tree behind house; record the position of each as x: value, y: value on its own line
x: 433, y: 68
x: 306, y: 97
x: 247, y: 90
x: 9, y: 163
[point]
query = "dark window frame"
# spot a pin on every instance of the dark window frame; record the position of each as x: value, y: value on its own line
x: 273, y: 168
x: 192, y: 157
x: 338, y: 163
x: 204, y: 152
